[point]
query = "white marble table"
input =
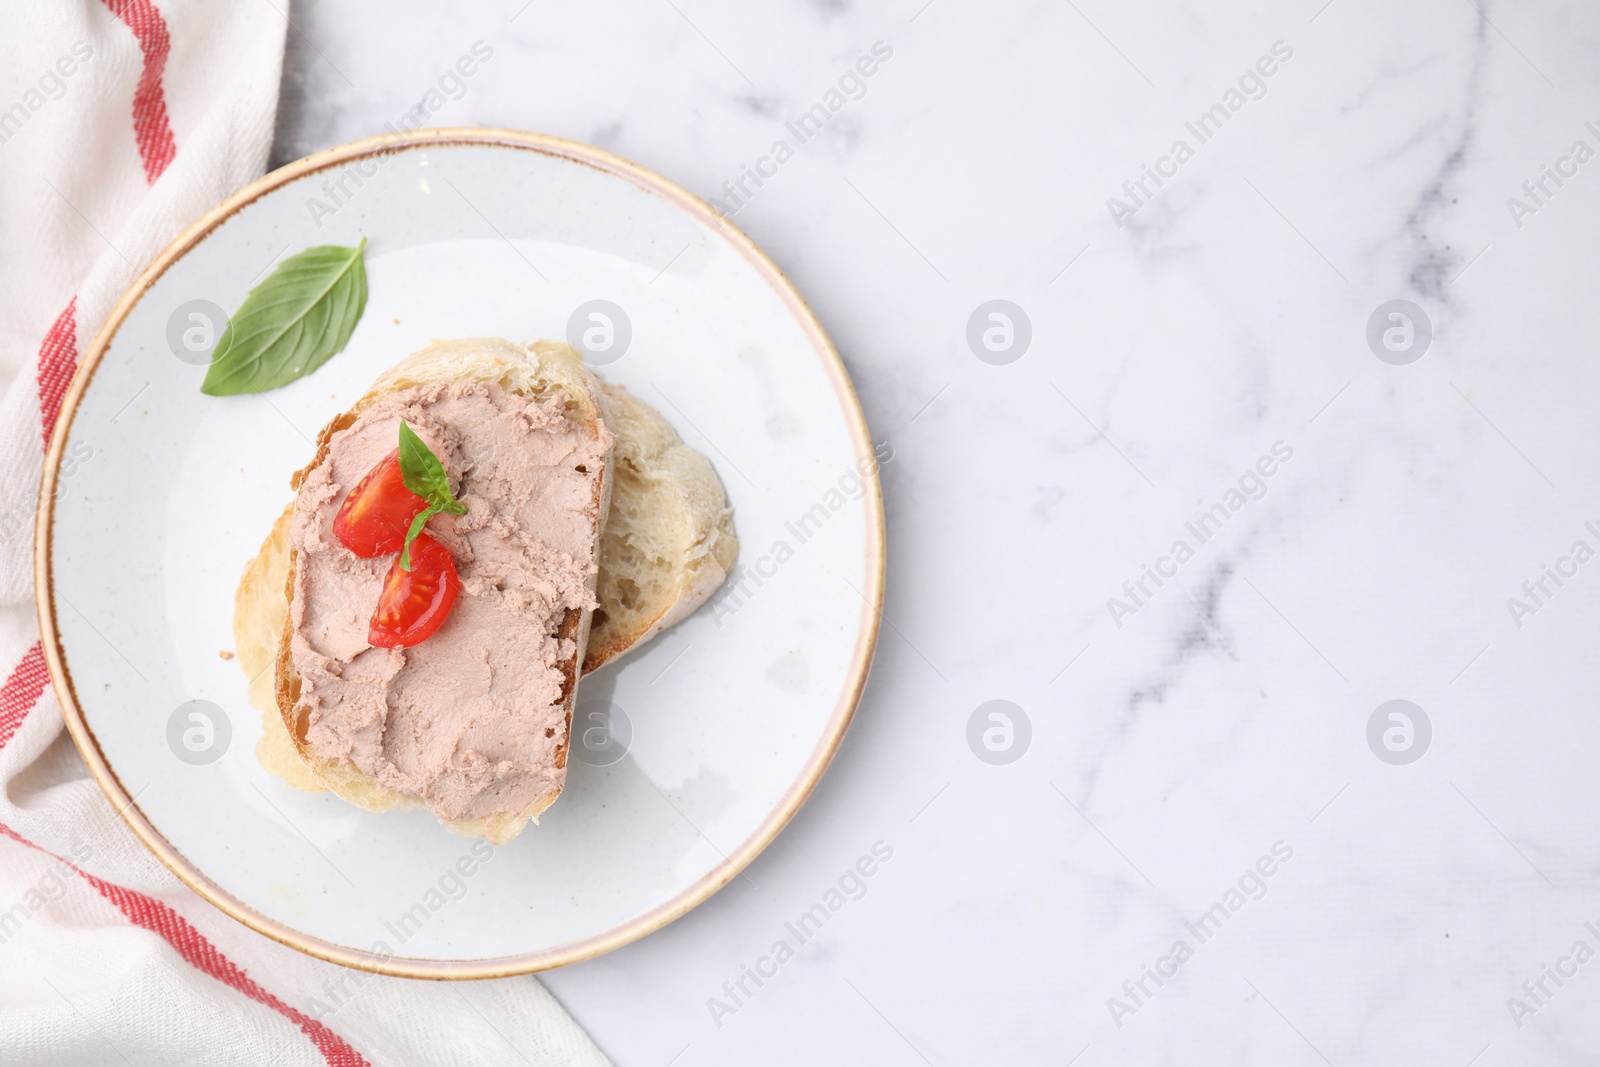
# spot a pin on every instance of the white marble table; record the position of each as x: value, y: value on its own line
x: 1196, y: 732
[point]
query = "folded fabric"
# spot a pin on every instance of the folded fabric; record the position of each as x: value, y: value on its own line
x: 121, y: 122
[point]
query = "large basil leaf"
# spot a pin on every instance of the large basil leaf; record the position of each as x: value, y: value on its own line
x: 298, y: 318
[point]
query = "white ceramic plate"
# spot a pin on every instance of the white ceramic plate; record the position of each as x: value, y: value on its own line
x: 161, y: 495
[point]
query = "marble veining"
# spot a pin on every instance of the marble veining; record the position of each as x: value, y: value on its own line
x: 1176, y: 752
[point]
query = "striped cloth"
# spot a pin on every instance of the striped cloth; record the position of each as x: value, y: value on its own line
x: 122, y: 121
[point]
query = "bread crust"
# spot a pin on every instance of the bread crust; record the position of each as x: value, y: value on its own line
x: 502, y: 364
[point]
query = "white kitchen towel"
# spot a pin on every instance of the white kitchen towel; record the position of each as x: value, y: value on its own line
x: 121, y: 122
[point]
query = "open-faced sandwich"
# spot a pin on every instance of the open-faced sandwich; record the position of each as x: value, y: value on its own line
x: 486, y: 524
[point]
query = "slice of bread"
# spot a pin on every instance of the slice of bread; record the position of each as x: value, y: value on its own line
x: 260, y: 614
x: 669, y: 541
x: 543, y: 371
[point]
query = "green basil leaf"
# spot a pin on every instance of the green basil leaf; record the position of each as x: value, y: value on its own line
x: 416, y: 528
x: 297, y: 319
x: 421, y: 470
x: 425, y: 476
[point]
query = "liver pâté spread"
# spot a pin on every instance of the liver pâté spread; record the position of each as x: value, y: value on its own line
x: 470, y: 720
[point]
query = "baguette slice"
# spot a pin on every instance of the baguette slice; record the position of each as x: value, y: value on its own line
x: 542, y: 371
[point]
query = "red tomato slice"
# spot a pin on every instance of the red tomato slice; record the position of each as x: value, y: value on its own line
x: 374, y: 517
x: 414, y: 603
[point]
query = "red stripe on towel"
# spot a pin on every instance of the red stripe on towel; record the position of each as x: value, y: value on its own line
x: 192, y: 945
x: 58, y: 361
x: 21, y: 692
x: 151, y: 127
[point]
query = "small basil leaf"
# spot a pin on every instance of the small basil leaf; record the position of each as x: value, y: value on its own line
x: 297, y: 319
x: 416, y: 528
x: 425, y: 476
x: 421, y: 470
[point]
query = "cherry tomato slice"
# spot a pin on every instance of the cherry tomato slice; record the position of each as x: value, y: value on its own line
x: 414, y: 603
x: 375, y: 515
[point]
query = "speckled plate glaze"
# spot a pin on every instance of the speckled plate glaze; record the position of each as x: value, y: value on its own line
x: 692, y: 752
